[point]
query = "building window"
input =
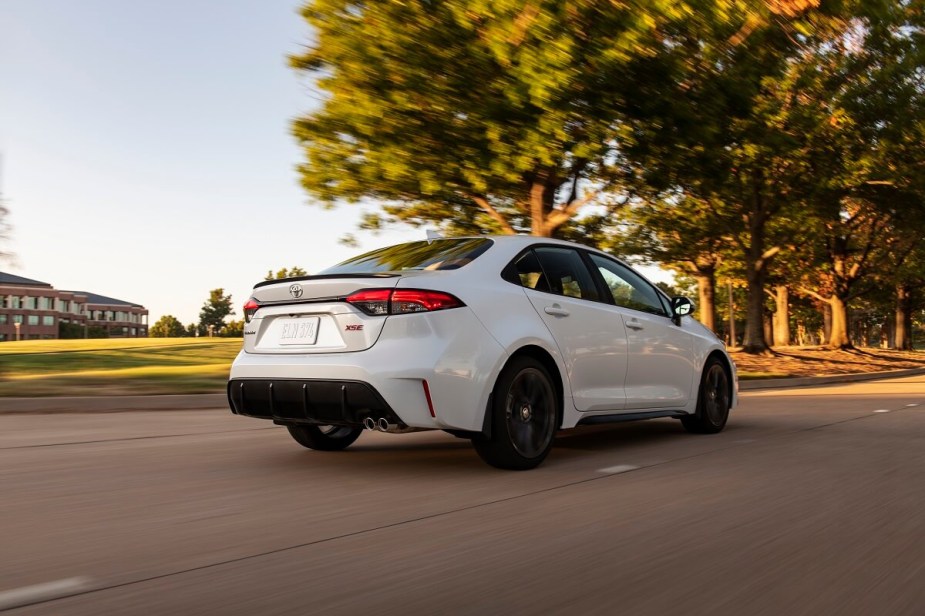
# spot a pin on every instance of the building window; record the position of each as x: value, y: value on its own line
x: 33, y: 319
x: 17, y: 301
x: 17, y: 318
x: 30, y: 303
x: 2, y: 319
x: 48, y: 320
x: 5, y: 302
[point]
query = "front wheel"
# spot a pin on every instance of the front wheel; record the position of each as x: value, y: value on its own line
x: 713, y: 401
x: 524, y: 417
x: 324, y: 438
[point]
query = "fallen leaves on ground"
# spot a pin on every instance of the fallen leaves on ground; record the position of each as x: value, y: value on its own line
x: 820, y: 361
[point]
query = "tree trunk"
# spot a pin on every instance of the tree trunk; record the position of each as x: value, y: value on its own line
x: 826, y: 322
x: 782, y: 316
x: 706, y: 287
x: 838, y: 337
x: 754, y: 341
x: 903, y: 319
x: 756, y: 269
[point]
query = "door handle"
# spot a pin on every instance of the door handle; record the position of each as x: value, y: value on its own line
x: 634, y: 324
x: 556, y: 310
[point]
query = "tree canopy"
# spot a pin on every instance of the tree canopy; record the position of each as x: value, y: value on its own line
x: 168, y: 326
x: 778, y: 142
x: 214, y: 311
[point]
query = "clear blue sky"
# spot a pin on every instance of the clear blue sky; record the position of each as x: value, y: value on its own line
x: 146, y: 152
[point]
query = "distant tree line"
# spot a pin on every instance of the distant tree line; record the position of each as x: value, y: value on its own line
x: 768, y: 151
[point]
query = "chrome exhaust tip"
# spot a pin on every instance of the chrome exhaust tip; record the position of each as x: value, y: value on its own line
x: 383, y: 425
x: 369, y: 423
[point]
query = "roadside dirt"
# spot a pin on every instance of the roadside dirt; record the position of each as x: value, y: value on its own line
x: 819, y: 361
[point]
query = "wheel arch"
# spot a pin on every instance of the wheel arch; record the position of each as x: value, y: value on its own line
x: 725, y: 362
x: 543, y: 357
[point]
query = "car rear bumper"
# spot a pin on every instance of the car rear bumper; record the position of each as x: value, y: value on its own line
x: 296, y: 401
x: 448, y: 350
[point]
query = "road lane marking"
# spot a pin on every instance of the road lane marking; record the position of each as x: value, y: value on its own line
x: 37, y: 593
x: 882, y: 411
x: 619, y: 468
x: 911, y: 405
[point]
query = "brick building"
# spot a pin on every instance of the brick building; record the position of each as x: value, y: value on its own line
x: 34, y: 310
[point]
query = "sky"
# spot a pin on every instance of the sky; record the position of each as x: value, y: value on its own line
x: 145, y: 151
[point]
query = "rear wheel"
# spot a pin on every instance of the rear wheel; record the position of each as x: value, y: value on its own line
x: 524, y: 417
x: 324, y: 438
x: 713, y: 400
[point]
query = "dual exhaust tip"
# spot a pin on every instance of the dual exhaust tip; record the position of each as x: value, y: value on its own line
x: 381, y: 424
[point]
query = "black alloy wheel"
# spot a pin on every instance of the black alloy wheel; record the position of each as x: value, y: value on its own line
x: 324, y: 438
x: 525, y: 417
x: 713, y: 400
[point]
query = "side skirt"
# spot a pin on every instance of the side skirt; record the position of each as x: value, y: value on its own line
x: 620, y: 417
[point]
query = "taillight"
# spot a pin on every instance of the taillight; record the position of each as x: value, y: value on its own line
x: 371, y: 301
x: 416, y: 300
x: 401, y: 301
x: 249, y: 309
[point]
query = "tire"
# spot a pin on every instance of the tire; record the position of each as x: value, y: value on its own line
x: 524, y: 417
x: 324, y: 438
x: 713, y: 400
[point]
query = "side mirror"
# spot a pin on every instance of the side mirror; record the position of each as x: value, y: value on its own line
x: 680, y: 307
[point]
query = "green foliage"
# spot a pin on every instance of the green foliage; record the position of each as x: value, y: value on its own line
x: 70, y: 331
x: 479, y: 115
x: 233, y: 329
x: 214, y: 311
x: 285, y: 273
x: 168, y: 326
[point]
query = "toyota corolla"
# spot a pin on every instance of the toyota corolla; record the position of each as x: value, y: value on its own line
x: 501, y: 340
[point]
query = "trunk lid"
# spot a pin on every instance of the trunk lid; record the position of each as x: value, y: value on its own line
x: 309, y: 315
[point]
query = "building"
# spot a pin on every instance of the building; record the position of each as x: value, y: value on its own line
x: 34, y: 310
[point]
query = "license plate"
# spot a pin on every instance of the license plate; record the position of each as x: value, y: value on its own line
x: 298, y: 331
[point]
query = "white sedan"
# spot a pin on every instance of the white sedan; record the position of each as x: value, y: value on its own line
x: 502, y: 340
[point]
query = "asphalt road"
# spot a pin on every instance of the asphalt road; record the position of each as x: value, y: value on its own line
x: 811, y: 502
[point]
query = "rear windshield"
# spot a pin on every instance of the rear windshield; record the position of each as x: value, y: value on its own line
x: 433, y: 255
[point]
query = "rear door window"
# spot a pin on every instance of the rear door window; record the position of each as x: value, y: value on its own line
x: 560, y: 271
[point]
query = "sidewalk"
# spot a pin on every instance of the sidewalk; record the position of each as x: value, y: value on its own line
x: 116, y: 404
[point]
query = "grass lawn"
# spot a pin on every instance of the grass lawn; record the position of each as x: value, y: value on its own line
x: 116, y: 366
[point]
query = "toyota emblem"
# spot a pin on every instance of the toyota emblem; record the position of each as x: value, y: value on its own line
x: 295, y: 290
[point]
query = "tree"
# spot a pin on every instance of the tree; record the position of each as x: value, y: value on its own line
x: 168, y: 326
x: 739, y: 132
x: 285, y: 273
x: 214, y: 311
x: 234, y: 329
x: 487, y: 116
x: 4, y: 228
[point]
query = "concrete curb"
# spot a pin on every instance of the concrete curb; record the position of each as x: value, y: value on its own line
x: 112, y: 404
x: 117, y: 404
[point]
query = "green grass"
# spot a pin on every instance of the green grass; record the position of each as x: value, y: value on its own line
x: 124, y: 366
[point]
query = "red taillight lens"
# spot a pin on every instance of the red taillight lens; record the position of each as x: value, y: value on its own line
x: 249, y: 309
x: 416, y: 300
x: 371, y: 301
x: 401, y: 301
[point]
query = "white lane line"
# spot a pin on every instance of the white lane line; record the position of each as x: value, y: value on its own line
x: 882, y: 411
x: 27, y: 595
x: 620, y: 468
x: 911, y: 405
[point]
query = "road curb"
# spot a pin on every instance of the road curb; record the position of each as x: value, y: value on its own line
x: 112, y: 404
x: 120, y: 404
